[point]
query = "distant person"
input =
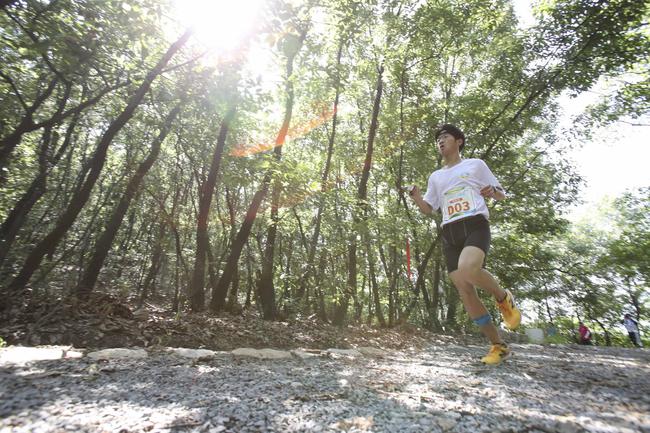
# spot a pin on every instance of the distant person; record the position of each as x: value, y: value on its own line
x: 460, y: 189
x: 584, y: 334
x: 632, y: 330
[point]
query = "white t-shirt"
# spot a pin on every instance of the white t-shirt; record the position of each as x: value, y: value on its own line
x: 455, y: 190
x: 630, y: 325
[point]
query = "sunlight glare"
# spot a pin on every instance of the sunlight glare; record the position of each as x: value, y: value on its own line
x: 221, y: 25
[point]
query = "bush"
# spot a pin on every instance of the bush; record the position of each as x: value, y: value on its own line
x: 558, y: 339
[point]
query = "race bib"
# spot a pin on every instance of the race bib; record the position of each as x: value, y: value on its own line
x: 458, y: 202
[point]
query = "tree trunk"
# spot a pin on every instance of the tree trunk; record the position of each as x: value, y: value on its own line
x: 18, y: 215
x: 105, y: 241
x: 548, y: 311
x: 27, y: 124
x: 350, y: 291
x: 320, y: 293
x: 197, y: 292
x: 374, y: 285
x: 219, y: 293
x: 249, y: 276
x: 452, y: 303
x: 9, y: 143
x: 419, y: 283
x: 324, y: 179
x: 266, y: 288
x: 156, y: 259
x: 608, y: 337
x: 79, y: 199
x: 212, y: 270
x: 435, y: 299
x: 392, y: 272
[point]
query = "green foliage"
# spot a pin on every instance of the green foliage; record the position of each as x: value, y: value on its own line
x: 446, y: 61
x: 558, y: 339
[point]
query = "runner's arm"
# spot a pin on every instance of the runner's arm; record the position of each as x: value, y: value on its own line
x: 493, y: 191
x: 424, y: 207
x: 492, y: 188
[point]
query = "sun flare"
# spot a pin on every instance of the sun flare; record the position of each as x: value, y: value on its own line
x: 221, y: 25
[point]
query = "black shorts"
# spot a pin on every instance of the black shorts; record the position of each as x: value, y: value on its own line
x: 473, y: 231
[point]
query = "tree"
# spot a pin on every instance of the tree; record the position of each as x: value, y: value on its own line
x: 105, y: 241
x: 47, y: 245
x: 625, y: 258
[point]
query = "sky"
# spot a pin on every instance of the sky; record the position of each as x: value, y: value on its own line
x: 617, y: 157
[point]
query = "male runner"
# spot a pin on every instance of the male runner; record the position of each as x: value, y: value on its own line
x: 459, y: 190
x: 632, y: 329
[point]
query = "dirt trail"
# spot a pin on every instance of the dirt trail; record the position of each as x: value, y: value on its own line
x: 437, y: 388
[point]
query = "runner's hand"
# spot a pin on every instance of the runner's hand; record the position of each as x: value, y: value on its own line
x: 488, y: 191
x: 412, y: 190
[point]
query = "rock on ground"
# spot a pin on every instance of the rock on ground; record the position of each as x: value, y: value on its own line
x: 441, y: 388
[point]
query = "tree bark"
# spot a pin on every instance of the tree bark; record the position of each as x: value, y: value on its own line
x: 452, y: 303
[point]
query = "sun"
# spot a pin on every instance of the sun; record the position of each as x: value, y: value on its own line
x: 220, y: 25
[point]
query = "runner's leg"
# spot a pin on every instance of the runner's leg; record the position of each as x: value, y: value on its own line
x: 474, y: 306
x: 632, y: 337
x: 470, y: 264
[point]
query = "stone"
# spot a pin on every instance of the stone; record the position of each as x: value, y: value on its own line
x: 305, y: 354
x: 372, y: 352
x: 262, y: 353
x: 192, y: 353
x: 73, y: 354
x: 274, y: 354
x: 118, y: 353
x: 350, y: 353
x: 21, y: 355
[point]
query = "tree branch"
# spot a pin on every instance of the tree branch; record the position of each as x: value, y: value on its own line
x: 35, y: 39
x: 8, y: 79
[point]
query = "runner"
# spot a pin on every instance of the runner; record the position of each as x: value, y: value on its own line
x: 584, y: 334
x: 632, y: 330
x: 459, y: 190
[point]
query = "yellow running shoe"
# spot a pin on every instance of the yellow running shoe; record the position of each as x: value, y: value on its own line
x: 497, y: 353
x: 509, y: 311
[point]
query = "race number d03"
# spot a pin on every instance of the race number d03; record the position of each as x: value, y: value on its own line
x: 458, y: 202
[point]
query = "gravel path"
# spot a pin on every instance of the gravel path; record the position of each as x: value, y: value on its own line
x: 441, y: 388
